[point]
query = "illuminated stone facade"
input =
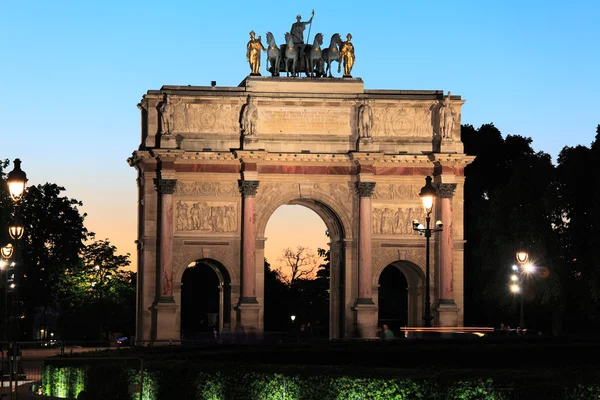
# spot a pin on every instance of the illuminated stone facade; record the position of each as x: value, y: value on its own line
x: 214, y: 163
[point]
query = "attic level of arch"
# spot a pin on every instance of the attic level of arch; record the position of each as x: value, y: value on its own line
x: 302, y: 116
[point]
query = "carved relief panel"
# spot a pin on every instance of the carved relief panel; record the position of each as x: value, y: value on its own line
x: 394, y: 220
x: 206, y: 216
x: 204, y: 117
x: 406, y: 121
x: 204, y: 188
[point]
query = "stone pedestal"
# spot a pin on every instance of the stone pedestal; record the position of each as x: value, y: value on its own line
x: 447, y: 314
x: 247, y: 318
x: 167, y: 330
x: 365, y: 320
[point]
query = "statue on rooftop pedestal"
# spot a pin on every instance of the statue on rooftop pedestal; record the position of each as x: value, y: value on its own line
x: 297, y: 30
x: 347, y: 55
x: 253, y: 49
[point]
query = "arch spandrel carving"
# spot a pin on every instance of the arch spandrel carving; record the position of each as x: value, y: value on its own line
x: 382, y: 257
x: 184, y: 255
x: 337, y: 197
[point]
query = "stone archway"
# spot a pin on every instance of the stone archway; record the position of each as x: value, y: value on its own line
x: 206, y: 190
x: 320, y: 204
x: 413, y: 276
x: 205, y: 303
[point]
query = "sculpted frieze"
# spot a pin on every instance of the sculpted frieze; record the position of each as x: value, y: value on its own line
x: 395, y: 192
x: 389, y: 220
x: 204, y: 117
x: 404, y: 121
x: 206, y: 216
x: 208, y: 189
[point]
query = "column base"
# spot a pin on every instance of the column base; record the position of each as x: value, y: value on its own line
x: 165, y: 316
x: 247, y: 316
x: 447, y: 312
x: 365, y: 319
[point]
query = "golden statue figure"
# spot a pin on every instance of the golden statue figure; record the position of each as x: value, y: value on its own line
x: 347, y: 54
x: 253, y: 54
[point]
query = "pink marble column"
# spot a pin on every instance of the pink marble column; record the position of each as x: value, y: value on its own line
x: 365, y: 190
x: 165, y: 188
x: 248, y: 190
x: 446, y: 295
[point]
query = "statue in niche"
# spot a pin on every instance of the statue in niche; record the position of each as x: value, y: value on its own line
x: 365, y: 120
x: 165, y: 110
x: 447, y: 116
x: 249, y: 118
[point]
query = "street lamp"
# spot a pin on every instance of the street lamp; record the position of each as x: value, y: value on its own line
x: 427, y: 195
x: 16, y: 181
x: 518, y: 282
x: 7, y: 251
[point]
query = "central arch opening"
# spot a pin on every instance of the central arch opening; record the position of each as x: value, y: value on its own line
x: 297, y: 272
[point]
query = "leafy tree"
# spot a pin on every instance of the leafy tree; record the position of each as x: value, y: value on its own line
x: 54, y: 236
x: 508, y: 196
x: 98, y: 294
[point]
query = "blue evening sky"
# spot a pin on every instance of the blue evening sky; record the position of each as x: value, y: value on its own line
x: 72, y: 73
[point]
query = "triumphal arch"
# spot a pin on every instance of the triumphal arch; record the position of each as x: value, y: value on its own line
x: 215, y: 162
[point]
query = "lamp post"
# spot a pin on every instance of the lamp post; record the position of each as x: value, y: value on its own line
x: 518, y: 283
x: 7, y: 252
x: 427, y: 195
x: 16, y: 180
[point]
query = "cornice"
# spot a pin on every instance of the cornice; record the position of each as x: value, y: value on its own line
x: 453, y: 160
x: 225, y: 156
x: 167, y: 154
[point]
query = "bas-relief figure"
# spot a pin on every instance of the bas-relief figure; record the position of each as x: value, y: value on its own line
x: 388, y: 220
x: 249, y: 117
x: 205, y: 188
x: 447, y: 116
x: 206, y: 216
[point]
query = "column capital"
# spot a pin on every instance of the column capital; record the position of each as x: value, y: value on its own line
x: 365, y: 189
x: 446, y: 190
x: 248, y: 188
x: 165, y: 186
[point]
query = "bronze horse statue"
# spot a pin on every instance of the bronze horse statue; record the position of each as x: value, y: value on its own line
x: 314, y: 58
x: 273, y: 55
x: 291, y: 54
x: 332, y: 53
